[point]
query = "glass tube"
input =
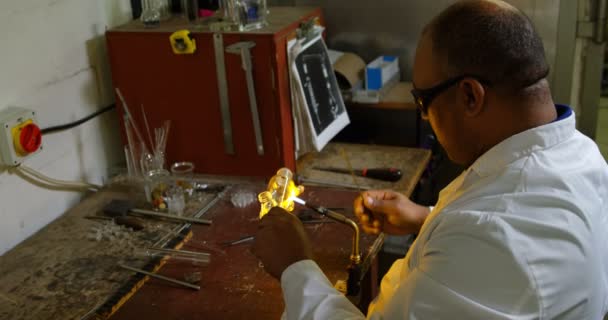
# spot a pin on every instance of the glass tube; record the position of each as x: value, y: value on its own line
x: 199, y: 258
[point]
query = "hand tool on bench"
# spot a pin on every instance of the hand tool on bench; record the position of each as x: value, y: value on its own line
x: 222, y: 84
x: 384, y: 174
x: 243, y: 49
x: 308, y: 181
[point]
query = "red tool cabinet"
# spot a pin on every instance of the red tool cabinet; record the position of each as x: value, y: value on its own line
x: 184, y: 89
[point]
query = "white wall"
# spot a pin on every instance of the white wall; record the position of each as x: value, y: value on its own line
x: 53, y: 60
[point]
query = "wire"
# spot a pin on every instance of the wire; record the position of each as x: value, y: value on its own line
x: 55, y: 182
x: 71, y: 125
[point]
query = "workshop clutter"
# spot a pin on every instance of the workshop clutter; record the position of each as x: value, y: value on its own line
x: 226, y: 15
x: 165, y: 190
x: 365, y: 83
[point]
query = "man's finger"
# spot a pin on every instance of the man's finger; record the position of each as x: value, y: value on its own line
x: 364, y: 219
x: 379, y: 207
x: 371, y: 230
x: 358, y: 206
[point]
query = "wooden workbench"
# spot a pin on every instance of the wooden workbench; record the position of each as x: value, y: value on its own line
x: 235, y: 285
x: 411, y: 161
x: 64, y: 271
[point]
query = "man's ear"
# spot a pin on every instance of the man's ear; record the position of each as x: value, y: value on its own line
x: 473, y: 96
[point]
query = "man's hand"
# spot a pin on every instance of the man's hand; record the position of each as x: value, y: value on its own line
x: 390, y: 212
x: 281, y: 241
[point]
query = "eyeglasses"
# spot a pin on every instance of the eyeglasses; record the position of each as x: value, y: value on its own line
x: 424, y: 97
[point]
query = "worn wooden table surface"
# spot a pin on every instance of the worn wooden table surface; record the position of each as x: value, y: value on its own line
x: 70, y: 266
x: 234, y: 285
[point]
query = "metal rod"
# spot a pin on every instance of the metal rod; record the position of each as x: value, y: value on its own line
x: 202, y: 255
x: 192, y: 256
x: 239, y: 241
x: 209, y: 204
x: 333, y: 184
x: 170, y: 216
x: 131, y: 119
x: 222, y: 84
x: 243, y: 48
x: 157, y: 276
x: 143, y: 113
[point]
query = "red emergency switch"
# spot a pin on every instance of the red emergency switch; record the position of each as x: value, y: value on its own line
x: 27, y: 139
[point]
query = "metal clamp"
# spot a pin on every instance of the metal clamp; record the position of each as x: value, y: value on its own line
x: 243, y: 48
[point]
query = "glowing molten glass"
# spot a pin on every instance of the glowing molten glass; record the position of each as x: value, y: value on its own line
x: 280, y: 193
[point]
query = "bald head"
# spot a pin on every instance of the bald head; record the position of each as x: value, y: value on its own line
x: 488, y: 39
x: 479, y: 72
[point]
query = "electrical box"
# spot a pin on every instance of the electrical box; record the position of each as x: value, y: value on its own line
x: 20, y: 136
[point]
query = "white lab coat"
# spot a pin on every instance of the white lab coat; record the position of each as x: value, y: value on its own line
x: 521, y: 234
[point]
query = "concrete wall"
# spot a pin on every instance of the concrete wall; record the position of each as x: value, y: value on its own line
x: 53, y: 60
x: 371, y: 28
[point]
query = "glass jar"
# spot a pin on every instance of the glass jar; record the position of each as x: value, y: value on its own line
x: 246, y: 15
x: 176, y: 200
x: 183, y: 173
x: 156, y: 185
x: 150, y: 13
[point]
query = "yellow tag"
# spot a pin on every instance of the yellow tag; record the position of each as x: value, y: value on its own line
x: 182, y: 42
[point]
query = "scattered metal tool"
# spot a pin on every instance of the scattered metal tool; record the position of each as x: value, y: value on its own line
x: 239, y: 241
x: 158, y: 276
x: 243, y: 48
x: 384, y: 174
x: 121, y: 208
x: 309, y: 181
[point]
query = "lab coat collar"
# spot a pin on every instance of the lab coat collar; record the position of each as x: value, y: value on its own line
x: 524, y: 143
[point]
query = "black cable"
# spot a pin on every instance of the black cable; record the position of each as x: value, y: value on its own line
x: 76, y: 123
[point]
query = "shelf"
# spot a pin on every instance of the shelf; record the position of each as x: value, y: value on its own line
x: 398, y: 98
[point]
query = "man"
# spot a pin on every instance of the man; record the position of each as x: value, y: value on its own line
x: 521, y: 234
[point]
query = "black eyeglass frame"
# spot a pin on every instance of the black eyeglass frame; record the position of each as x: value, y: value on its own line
x: 424, y: 97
